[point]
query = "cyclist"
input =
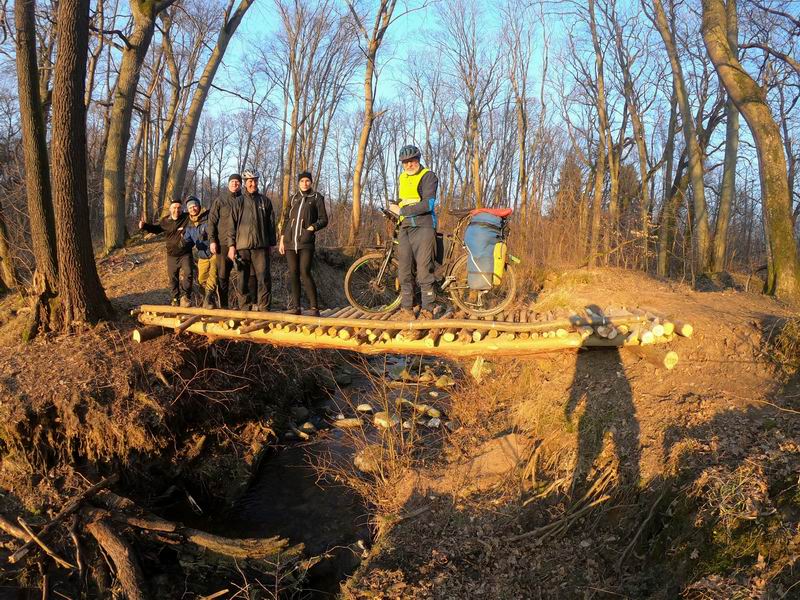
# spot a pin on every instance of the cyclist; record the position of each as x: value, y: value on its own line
x: 416, y: 190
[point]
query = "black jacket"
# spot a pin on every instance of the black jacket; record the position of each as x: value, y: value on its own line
x: 251, y: 223
x: 219, y: 217
x: 303, y: 210
x: 173, y: 228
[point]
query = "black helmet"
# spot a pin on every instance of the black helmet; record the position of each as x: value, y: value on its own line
x: 408, y: 152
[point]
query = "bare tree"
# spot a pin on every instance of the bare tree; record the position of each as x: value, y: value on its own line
x: 700, y: 229
x: 784, y: 278
x: 81, y: 295
x: 145, y: 13
x: 34, y: 134
x: 372, y: 41
x: 183, y: 148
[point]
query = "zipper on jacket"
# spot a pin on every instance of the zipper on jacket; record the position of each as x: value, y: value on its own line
x: 299, y: 221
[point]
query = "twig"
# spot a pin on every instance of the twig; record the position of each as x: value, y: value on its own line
x: 547, y: 529
x: 639, y: 531
x: 13, y: 530
x: 59, y: 561
x: 781, y: 408
x: 215, y: 594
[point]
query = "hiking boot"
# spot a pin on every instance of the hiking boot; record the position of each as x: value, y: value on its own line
x: 185, y: 302
x: 208, y: 300
x: 313, y: 312
x: 405, y: 314
x: 174, y: 302
x: 425, y: 314
x: 294, y: 311
x: 261, y: 307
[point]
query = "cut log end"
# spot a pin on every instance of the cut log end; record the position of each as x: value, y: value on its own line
x: 143, y: 334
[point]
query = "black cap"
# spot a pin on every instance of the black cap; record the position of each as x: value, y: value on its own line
x: 305, y: 175
x: 235, y: 176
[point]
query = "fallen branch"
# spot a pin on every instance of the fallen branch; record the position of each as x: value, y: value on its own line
x: 59, y: 561
x: 556, y: 525
x: 70, y: 508
x: 129, y: 573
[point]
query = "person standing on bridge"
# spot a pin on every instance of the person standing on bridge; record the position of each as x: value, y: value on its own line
x: 196, y: 235
x: 416, y: 190
x: 250, y: 236
x: 302, y: 217
x: 219, y: 219
x: 179, y: 254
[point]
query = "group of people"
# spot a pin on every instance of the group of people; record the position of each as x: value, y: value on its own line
x: 238, y: 233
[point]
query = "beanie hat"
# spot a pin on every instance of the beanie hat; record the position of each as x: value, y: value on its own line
x: 305, y: 175
x: 235, y: 176
x: 192, y: 200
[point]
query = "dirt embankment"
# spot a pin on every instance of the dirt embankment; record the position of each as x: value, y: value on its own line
x: 600, y: 475
x: 181, y: 421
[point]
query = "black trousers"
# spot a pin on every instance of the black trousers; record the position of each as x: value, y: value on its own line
x: 224, y: 267
x: 180, y: 270
x: 299, y: 264
x: 417, y: 249
x: 255, y: 261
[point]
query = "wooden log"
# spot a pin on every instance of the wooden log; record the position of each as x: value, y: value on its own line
x: 477, y: 335
x: 344, y: 320
x: 666, y: 360
x: 507, y: 335
x: 143, y: 334
x: 68, y: 509
x: 492, y: 333
x: 658, y: 330
x: 561, y: 332
x: 433, y: 337
x: 129, y: 573
x: 465, y: 336
x: 258, y: 325
x: 187, y: 323
x: 449, y: 335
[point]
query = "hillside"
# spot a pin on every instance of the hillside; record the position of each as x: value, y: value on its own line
x: 587, y: 475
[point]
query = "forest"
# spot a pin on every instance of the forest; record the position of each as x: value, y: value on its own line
x: 653, y: 135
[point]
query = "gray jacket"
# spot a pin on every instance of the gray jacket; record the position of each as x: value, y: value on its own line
x: 251, y: 223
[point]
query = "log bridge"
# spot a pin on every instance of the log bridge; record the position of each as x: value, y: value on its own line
x: 512, y: 333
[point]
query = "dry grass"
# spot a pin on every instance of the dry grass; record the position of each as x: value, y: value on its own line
x: 782, y: 345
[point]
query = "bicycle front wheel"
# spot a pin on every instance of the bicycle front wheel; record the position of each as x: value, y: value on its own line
x: 370, y: 290
x: 481, y: 303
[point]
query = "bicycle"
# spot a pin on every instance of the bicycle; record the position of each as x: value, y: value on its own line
x: 372, y: 283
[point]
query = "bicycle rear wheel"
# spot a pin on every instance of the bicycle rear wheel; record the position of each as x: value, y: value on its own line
x: 481, y: 303
x: 367, y: 291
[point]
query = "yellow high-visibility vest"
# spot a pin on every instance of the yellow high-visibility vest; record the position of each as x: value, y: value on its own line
x: 407, y: 187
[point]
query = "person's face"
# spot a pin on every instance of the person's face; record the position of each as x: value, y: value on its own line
x: 194, y: 209
x: 305, y: 184
x: 411, y: 166
x: 234, y: 185
x: 251, y: 185
x: 175, y: 210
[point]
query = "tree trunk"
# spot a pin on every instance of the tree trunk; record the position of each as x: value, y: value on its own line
x: 34, y: 142
x: 162, y: 161
x: 8, y: 274
x: 700, y: 227
x: 361, y: 153
x: 728, y: 188
x: 183, y: 148
x: 746, y: 94
x: 80, y: 294
x: 119, y: 131
x: 666, y: 218
x: 597, y: 203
